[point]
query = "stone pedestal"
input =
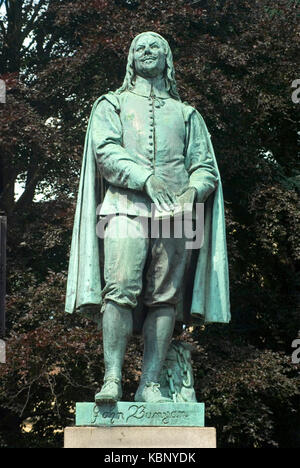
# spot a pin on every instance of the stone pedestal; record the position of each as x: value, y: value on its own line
x: 140, y: 437
x: 140, y: 425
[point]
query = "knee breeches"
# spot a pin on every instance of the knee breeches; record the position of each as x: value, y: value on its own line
x: 131, y: 256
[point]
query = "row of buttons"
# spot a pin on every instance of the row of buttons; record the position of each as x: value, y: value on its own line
x: 151, y: 136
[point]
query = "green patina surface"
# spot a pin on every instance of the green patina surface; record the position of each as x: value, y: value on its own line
x: 140, y: 414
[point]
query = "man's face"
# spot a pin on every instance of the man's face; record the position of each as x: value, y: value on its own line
x: 149, y: 56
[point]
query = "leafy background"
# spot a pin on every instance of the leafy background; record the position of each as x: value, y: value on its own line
x: 235, y: 62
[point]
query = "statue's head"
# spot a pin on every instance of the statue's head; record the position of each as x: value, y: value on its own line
x: 150, y: 56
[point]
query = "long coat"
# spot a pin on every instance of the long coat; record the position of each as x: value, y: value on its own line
x: 206, y: 295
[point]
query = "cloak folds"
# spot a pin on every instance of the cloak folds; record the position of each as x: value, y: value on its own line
x: 207, y: 297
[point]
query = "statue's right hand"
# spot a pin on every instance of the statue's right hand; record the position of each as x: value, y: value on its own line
x: 163, y: 198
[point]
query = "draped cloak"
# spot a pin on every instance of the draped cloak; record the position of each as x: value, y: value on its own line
x: 206, y: 295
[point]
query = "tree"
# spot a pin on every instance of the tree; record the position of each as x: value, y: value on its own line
x: 30, y: 136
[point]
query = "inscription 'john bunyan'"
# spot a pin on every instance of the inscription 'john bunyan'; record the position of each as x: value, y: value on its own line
x: 139, y: 412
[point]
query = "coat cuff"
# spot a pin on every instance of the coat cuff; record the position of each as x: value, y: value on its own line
x: 140, y: 176
x: 203, y: 191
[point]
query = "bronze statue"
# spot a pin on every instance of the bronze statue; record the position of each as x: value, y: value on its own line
x: 145, y: 146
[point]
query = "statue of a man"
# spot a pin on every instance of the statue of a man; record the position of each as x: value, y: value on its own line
x: 150, y: 147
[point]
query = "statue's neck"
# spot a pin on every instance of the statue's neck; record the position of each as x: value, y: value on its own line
x: 147, y: 86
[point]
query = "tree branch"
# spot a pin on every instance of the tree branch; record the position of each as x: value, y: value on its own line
x: 29, y: 192
x: 31, y: 22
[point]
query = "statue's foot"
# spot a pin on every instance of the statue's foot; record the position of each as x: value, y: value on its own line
x: 111, y: 391
x: 150, y: 393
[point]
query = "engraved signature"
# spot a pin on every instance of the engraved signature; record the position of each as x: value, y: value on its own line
x: 140, y: 412
x: 110, y: 414
x: 137, y: 412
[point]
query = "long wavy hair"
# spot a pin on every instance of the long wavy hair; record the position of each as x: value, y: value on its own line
x: 169, y: 73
